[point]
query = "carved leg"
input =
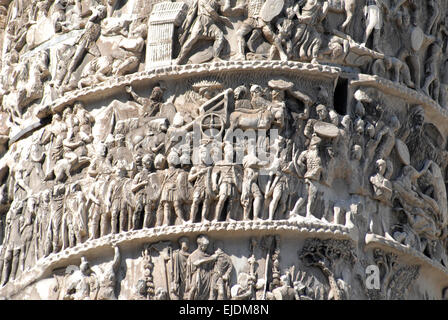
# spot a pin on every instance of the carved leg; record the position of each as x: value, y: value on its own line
x: 312, y: 197
x: 219, y: 207
x: 178, y: 210
x: 7, y: 266
x: 240, y: 34
x: 167, y: 214
x: 218, y: 45
x: 205, y: 206
x: 114, y: 219
x: 194, y: 209
x: 15, y: 264
x: 258, y: 206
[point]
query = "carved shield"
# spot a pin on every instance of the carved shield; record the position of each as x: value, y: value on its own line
x: 271, y: 9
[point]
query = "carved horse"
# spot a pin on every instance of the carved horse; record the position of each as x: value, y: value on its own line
x: 258, y: 119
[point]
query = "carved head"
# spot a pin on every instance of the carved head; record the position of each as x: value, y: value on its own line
x: 184, y: 243
x: 356, y: 152
x: 85, y: 267
x: 381, y: 166
x: 322, y: 112
x: 157, y: 94
x: 256, y: 90
x: 418, y: 117
x: 147, y: 161
x: 159, y: 162
x: 202, y: 242
x: 173, y: 159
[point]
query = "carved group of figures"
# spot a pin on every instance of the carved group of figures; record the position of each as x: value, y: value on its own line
x: 144, y: 173
x: 105, y: 45
x: 326, y: 271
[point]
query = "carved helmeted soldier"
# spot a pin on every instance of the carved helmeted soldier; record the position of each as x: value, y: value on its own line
x: 199, y: 271
x: 307, y: 39
x: 98, y: 212
x: 200, y: 177
x: 251, y: 196
x: 311, y: 160
x: 207, y: 16
x: 279, y: 187
x: 144, y: 203
x: 108, y: 279
x: 172, y: 191
x: 220, y: 282
x: 227, y: 179
x: 179, y: 261
x: 254, y: 23
x: 117, y: 202
x: 86, y: 43
x: 150, y: 106
x: 86, y: 121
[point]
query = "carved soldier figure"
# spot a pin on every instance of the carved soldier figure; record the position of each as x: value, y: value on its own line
x: 308, y: 37
x: 144, y: 203
x: 312, y: 161
x: 202, y: 23
x: 432, y: 70
x: 251, y: 195
x: 254, y: 23
x: 220, y: 282
x: 227, y: 179
x: 86, y: 43
x: 200, y: 176
x: 173, y: 188
x: 179, y: 261
x: 74, y: 227
x: 117, y: 202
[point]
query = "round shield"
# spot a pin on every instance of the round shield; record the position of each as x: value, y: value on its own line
x: 326, y: 130
x: 417, y: 37
x: 403, y: 152
x: 271, y: 9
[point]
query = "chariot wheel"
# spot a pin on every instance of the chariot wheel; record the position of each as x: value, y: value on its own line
x: 212, y: 125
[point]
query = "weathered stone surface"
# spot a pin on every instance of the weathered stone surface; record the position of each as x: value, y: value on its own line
x: 206, y: 149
